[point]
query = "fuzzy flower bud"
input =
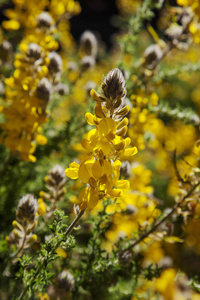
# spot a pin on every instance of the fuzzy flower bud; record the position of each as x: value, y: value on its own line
x: 44, y: 21
x: 57, y: 176
x: 55, y: 64
x: 62, y: 89
x: 113, y: 86
x: 125, y: 258
x: 43, y: 90
x: 65, y: 282
x: 125, y: 169
x: 5, y: 50
x: 27, y: 209
x: 87, y: 62
x: 152, y: 55
x: 89, y: 44
x: 34, y: 51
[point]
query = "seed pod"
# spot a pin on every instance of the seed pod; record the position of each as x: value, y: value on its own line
x: 125, y: 169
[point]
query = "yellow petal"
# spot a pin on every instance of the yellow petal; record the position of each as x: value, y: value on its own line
x: 72, y: 171
x: 122, y: 184
x: 130, y: 151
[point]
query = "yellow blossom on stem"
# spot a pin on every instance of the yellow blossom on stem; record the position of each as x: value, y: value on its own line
x: 99, y: 168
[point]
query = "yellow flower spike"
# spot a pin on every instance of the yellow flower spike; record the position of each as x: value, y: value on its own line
x: 11, y: 25
x: 41, y: 139
x: 85, y: 171
x: 96, y: 96
x: 123, y: 184
x: 61, y: 252
x: 17, y: 225
x: 91, y: 119
x: 124, y: 111
x: 99, y: 111
x: 41, y: 207
x: 72, y: 171
x: 32, y: 239
x: 115, y: 193
x: 120, y: 146
x: 106, y: 125
x: 123, y: 123
x: 122, y: 131
x: 130, y: 151
x: 97, y: 169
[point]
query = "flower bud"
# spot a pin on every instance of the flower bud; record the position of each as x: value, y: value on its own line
x: 44, y: 21
x: 55, y: 62
x: 89, y: 44
x: 87, y: 62
x: 34, y: 51
x: 27, y: 209
x: 153, y: 54
x: 5, y: 50
x: 113, y: 86
x: 62, y: 89
x: 125, y: 169
x: 65, y: 282
x: 43, y: 90
x: 125, y: 257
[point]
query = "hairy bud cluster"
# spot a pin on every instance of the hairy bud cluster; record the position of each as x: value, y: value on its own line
x: 43, y: 90
x: 55, y: 182
x: 152, y: 55
x: 64, y: 285
x: 44, y: 21
x: 88, y: 50
x: 112, y: 104
x: 26, y: 214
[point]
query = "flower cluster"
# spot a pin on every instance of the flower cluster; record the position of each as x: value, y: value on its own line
x: 22, y: 235
x: 55, y: 182
x: 100, y: 166
x: 28, y: 91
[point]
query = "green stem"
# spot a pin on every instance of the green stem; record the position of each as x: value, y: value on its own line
x: 158, y: 223
x: 45, y: 262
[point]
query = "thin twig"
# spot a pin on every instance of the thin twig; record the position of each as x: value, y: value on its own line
x: 45, y: 262
x: 158, y: 223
